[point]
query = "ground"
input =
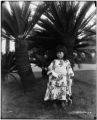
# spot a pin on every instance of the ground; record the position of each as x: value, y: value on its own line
x: 15, y: 104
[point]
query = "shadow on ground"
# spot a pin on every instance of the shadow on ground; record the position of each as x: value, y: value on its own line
x: 31, y: 105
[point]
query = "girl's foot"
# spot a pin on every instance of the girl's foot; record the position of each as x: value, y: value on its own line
x: 69, y: 99
x: 54, y: 104
x: 69, y: 102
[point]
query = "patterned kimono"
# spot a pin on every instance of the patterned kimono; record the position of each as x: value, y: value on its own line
x: 59, y: 84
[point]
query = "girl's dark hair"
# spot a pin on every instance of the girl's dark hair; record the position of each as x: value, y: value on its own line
x: 62, y: 48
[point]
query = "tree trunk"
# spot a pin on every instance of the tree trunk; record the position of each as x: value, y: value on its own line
x: 23, y: 64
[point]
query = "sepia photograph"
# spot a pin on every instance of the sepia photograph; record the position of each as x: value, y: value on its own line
x: 48, y: 60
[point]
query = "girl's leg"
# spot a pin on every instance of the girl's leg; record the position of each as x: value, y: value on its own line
x: 69, y: 99
x: 50, y: 104
x: 54, y: 104
x: 63, y: 103
x: 64, y: 99
x: 59, y: 104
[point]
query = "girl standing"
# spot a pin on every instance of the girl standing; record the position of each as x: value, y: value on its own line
x: 60, y: 78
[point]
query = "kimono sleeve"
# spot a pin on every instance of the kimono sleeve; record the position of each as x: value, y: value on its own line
x: 69, y: 69
x: 50, y: 68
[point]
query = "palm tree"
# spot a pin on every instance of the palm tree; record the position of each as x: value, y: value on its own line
x: 18, y: 26
x: 8, y: 66
x: 66, y: 23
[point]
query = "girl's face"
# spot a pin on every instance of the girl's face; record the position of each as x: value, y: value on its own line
x: 60, y: 55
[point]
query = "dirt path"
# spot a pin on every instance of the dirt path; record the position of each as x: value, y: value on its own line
x: 31, y: 105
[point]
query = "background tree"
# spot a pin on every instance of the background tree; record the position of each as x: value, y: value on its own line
x: 66, y: 23
x: 17, y: 25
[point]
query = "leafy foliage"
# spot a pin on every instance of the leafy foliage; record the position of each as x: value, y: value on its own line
x: 16, y: 22
x: 8, y: 64
x: 66, y: 23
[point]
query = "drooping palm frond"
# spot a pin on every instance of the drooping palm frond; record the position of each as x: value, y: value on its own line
x: 38, y: 12
x: 66, y: 23
x: 7, y: 21
x: 8, y: 64
x: 80, y: 18
x: 16, y: 21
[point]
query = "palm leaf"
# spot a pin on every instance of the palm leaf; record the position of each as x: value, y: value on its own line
x: 81, y: 15
x: 17, y: 13
x: 39, y: 11
x: 87, y: 20
x: 26, y: 12
x: 4, y: 35
x: 7, y: 21
x: 55, y: 15
x: 50, y: 27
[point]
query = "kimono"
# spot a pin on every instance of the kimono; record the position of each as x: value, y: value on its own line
x: 59, y: 84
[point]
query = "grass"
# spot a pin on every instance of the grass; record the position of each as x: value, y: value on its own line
x: 31, y: 105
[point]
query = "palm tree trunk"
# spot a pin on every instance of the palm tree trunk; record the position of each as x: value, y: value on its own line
x: 23, y: 64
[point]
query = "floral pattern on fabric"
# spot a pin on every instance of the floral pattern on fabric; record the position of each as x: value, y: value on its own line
x: 59, y: 84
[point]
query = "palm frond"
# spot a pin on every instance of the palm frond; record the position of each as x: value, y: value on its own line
x: 81, y: 15
x: 25, y: 9
x: 87, y: 20
x: 17, y: 21
x: 87, y: 28
x: 39, y: 11
x: 26, y: 13
x: 49, y: 26
x: 4, y: 35
x: 8, y: 63
x: 17, y: 14
x: 7, y: 21
x: 54, y: 12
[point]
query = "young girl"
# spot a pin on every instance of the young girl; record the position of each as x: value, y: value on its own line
x: 60, y: 78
